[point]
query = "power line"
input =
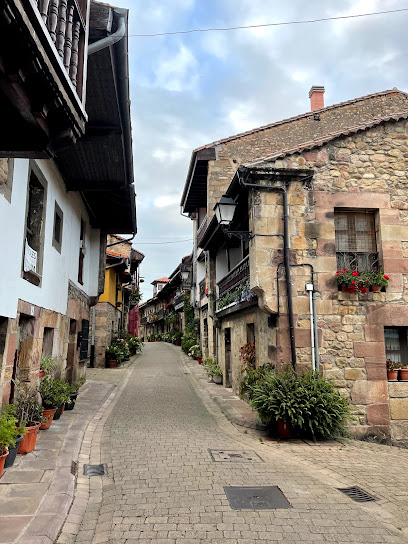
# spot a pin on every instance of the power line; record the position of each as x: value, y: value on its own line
x: 308, y: 21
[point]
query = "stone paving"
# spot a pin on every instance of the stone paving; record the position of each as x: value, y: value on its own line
x: 163, y: 486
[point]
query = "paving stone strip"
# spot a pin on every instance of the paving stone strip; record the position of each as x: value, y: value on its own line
x: 163, y: 487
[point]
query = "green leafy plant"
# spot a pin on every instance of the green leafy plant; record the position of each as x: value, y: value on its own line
x: 379, y: 278
x: 134, y: 343
x: 188, y: 340
x: 26, y: 408
x: 212, y: 367
x: 48, y: 364
x: 391, y: 365
x: 54, y: 392
x: 241, y: 293
x: 194, y: 351
x: 251, y: 377
x: 9, y: 429
x: 74, y: 387
x: 114, y: 353
x: 308, y: 402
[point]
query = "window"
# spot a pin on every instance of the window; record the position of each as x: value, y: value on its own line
x: 57, y: 231
x: 396, y: 344
x: 34, y: 235
x: 81, y: 253
x: 356, y: 243
x: 83, y: 351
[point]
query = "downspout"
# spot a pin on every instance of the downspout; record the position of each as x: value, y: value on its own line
x: 92, y: 357
x: 109, y: 40
x: 286, y: 256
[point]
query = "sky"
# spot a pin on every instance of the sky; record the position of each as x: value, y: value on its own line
x: 189, y: 90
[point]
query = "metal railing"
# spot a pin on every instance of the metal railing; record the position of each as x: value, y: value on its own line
x: 359, y: 261
x: 234, y: 277
x: 178, y: 300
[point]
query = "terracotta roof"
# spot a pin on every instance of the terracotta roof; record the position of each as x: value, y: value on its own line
x: 114, y: 254
x: 304, y: 115
x: 161, y: 280
x: 318, y: 142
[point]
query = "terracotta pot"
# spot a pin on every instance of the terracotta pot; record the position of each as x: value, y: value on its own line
x: 345, y: 289
x: 283, y: 429
x: 200, y: 360
x: 132, y: 352
x: 376, y: 288
x: 404, y: 374
x: 392, y: 374
x: 2, y: 460
x: 113, y: 363
x: 49, y: 414
x: 41, y: 374
x: 29, y: 439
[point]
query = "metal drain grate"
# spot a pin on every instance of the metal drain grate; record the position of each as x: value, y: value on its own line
x: 357, y: 494
x: 95, y: 470
x: 256, y: 498
x: 74, y: 468
x: 235, y: 456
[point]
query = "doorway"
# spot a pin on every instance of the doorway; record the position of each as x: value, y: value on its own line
x: 228, y: 369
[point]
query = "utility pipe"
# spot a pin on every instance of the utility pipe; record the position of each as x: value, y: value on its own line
x: 316, y: 332
x: 109, y: 40
x: 309, y: 289
x: 286, y: 259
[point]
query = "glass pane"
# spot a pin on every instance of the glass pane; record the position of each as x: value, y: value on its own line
x: 355, y: 232
x: 392, y: 344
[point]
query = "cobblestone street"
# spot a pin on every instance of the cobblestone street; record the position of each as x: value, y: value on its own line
x: 163, y: 486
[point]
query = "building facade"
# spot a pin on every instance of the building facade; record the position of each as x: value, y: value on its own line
x: 313, y: 194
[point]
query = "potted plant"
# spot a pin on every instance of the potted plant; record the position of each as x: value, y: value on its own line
x: 364, y: 282
x: 392, y: 370
x: 73, y: 395
x: 9, y: 426
x: 403, y: 373
x: 213, y: 370
x: 47, y: 365
x: 114, y: 355
x: 378, y: 280
x: 54, y: 394
x: 28, y: 411
x: 195, y: 352
x: 348, y: 280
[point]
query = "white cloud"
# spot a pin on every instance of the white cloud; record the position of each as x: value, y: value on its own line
x: 164, y: 201
x: 177, y: 72
x: 241, y: 117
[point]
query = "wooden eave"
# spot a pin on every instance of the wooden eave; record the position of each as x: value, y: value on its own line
x: 195, y: 189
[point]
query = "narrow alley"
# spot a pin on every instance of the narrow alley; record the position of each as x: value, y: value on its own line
x: 165, y: 483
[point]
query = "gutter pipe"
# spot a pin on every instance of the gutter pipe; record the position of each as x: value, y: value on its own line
x: 286, y: 260
x: 109, y: 40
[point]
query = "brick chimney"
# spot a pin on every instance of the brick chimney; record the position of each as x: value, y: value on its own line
x: 316, y: 95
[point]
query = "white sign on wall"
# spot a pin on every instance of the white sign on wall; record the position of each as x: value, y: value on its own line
x: 30, y: 259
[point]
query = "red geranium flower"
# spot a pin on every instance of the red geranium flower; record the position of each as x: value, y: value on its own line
x: 355, y: 273
x: 386, y: 277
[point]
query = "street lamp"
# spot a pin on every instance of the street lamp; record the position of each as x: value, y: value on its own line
x: 186, y: 276
x: 224, y: 212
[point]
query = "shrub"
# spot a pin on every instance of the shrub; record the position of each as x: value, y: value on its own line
x: 194, y: 351
x: 77, y: 385
x: 26, y: 408
x: 247, y: 355
x: 308, y: 402
x: 188, y: 340
x: 9, y: 431
x: 47, y: 364
x: 114, y: 353
x: 54, y: 392
x: 212, y: 367
x: 251, y: 377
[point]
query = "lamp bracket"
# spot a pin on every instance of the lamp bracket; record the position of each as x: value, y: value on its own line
x: 241, y: 234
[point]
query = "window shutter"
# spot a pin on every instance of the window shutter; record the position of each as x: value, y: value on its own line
x: 83, y: 352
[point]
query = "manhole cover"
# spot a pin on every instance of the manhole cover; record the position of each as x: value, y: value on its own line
x: 235, y: 456
x: 357, y: 494
x: 95, y: 470
x: 256, y: 498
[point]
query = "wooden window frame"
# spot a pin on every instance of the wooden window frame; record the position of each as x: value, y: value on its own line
x: 58, y: 213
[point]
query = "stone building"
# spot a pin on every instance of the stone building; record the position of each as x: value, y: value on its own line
x: 338, y: 174
x: 60, y: 191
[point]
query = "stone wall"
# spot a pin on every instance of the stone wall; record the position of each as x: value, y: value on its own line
x: 107, y: 325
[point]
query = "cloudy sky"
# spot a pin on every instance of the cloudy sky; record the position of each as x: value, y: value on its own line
x: 188, y: 90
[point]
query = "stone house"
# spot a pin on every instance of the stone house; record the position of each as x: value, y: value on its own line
x: 60, y: 192
x: 313, y: 193
x: 111, y: 313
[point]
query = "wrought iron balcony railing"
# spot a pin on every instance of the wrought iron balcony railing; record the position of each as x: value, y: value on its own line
x: 355, y: 260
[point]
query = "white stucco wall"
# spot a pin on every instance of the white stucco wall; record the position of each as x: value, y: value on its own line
x: 57, y: 268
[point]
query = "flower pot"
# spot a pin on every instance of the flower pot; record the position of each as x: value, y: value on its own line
x: 113, y: 363
x: 59, y: 412
x: 217, y: 379
x: 376, y: 288
x: 283, y: 429
x: 2, y: 461
x: 345, y: 289
x: 392, y: 374
x: 364, y: 289
x: 29, y: 439
x: 11, y: 457
x: 132, y: 352
x: 41, y: 374
x: 200, y: 360
x: 71, y: 405
x: 49, y: 414
x: 403, y: 374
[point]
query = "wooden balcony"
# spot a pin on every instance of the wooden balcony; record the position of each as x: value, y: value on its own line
x: 234, y: 277
x: 201, y: 286
x: 201, y: 229
x: 43, y: 58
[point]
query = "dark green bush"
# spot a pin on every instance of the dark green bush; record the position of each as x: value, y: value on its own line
x: 308, y: 402
x: 251, y: 377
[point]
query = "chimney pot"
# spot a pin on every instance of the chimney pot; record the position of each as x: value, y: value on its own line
x: 316, y: 95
